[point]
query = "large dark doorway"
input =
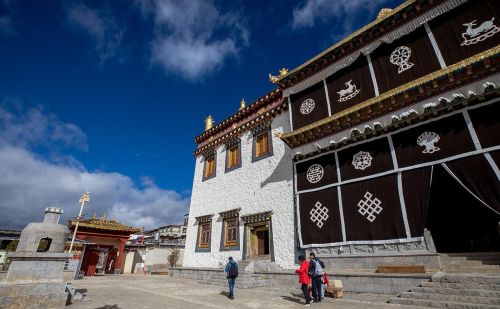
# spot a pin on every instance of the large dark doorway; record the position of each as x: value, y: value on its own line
x: 263, y: 242
x: 457, y: 221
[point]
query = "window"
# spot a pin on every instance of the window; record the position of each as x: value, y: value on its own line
x: 204, y: 241
x: 234, y: 159
x: 230, y: 232
x: 261, y: 144
x: 209, y: 169
x: 233, y: 156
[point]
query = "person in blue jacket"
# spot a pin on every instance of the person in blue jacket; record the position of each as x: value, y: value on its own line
x: 231, y: 271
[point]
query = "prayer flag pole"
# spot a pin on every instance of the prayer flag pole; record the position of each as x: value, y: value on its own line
x: 84, y: 198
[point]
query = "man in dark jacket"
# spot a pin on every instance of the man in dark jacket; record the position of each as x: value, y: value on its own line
x: 231, y: 271
x: 314, y: 263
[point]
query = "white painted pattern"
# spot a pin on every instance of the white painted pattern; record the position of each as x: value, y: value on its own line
x: 315, y: 173
x: 307, y: 106
x: 319, y: 214
x: 348, y: 93
x: 401, y: 57
x: 480, y: 33
x: 369, y: 207
x: 362, y: 160
x: 428, y: 140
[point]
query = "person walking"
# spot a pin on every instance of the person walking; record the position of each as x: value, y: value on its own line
x: 231, y: 271
x: 304, y: 280
x: 316, y: 272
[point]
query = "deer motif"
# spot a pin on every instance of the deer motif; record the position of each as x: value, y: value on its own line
x: 480, y: 33
x: 348, y: 93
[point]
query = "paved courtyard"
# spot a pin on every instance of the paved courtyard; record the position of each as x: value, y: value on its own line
x: 139, y: 291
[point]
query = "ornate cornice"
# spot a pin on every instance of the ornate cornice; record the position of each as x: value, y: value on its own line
x: 482, y: 64
x: 205, y: 218
x: 263, y: 114
x: 269, y: 98
x: 259, y: 217
x: 233, y: 213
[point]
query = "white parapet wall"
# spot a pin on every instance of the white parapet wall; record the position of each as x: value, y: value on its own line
x: 255, y: 187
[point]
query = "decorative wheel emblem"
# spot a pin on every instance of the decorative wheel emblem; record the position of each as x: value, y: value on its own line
x: 428, y: 139
x: 319, y: 214
x: 350, y: 92
x: 400, y: 57
x: 480, y: 33
x: 362, y: 160
x: 307, y: 106
x: 314, y: 173
x: 370, y: 207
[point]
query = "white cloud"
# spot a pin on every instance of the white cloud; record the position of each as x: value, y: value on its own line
x: 100, y: 25
x: 29, y: 183
x: 193, y: 38
x: 340, y: 11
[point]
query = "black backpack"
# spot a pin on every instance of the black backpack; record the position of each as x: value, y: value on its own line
x: 233, y: 271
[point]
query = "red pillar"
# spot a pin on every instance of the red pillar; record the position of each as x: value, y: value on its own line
x: 121, y: 251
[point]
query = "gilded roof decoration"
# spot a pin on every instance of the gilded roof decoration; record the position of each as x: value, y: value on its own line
x: 383, y: 13
x: 104, y: 224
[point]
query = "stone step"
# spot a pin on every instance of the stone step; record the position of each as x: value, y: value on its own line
x: 466, y: 278
x: 471, y: 254
x: 457, y: 291
x: 452, y: 298
x: 440, y: 304
x: 461, y: 286
x: 470, y: 268
x: 464, y: 261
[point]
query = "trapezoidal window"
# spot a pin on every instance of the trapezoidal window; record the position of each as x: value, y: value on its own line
x: 262, y: 144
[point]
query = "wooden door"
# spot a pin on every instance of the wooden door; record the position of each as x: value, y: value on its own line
x: 262, y: 242
x: 110, y: 263
x: 90, y: 261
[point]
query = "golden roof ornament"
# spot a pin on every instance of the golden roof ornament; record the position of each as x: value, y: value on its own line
x: 275, y: 79
x: 383, y: 13
x: 209, y: 122
x: 243, y: 104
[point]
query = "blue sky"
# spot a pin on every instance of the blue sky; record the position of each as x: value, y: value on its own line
x: 109, y: 95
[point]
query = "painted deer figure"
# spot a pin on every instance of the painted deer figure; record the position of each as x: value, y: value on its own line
x: 473, y: 32
x: 350, y: 89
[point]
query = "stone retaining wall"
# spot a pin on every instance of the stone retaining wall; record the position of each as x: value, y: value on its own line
x: 353, y: 282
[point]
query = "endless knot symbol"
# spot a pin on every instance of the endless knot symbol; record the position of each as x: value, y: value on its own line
x: 428, y: 139
x: 362, y: 160
x: 400, y: 57
x: 307, y: 106
x: 314, y: 173
x: 369, y: 207
x: 319, y: 214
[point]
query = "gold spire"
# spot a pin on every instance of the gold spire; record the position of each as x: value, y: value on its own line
x: 209, y: 122
x: 243, y: 104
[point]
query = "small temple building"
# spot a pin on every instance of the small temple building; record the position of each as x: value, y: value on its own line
x: 384, y: 147
x: 104, y: 239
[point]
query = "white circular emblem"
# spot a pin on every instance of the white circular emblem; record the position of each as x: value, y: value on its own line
x: 314, y: 173
x: 362, y: 160
x: 307, y: 106
x: 401, y: 57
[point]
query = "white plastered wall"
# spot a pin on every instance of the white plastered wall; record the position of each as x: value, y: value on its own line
x: 264, y: 185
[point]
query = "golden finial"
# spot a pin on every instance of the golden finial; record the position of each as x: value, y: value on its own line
x: 209, y: 122
x: 243, y: 104
x: 275, y: 79
x: 383, y: 13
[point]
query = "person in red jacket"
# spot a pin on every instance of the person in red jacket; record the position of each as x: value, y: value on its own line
x: 304, y: 279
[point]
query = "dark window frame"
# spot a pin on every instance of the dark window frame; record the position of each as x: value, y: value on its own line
x: 208, y: 157
x: 199, y: 247
x: 228, y: 149
x: 233, y: 246
x: 269, y: 142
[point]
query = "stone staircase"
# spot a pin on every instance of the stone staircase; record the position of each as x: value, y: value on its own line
x: 477, y: 262
x: 455, y: 291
